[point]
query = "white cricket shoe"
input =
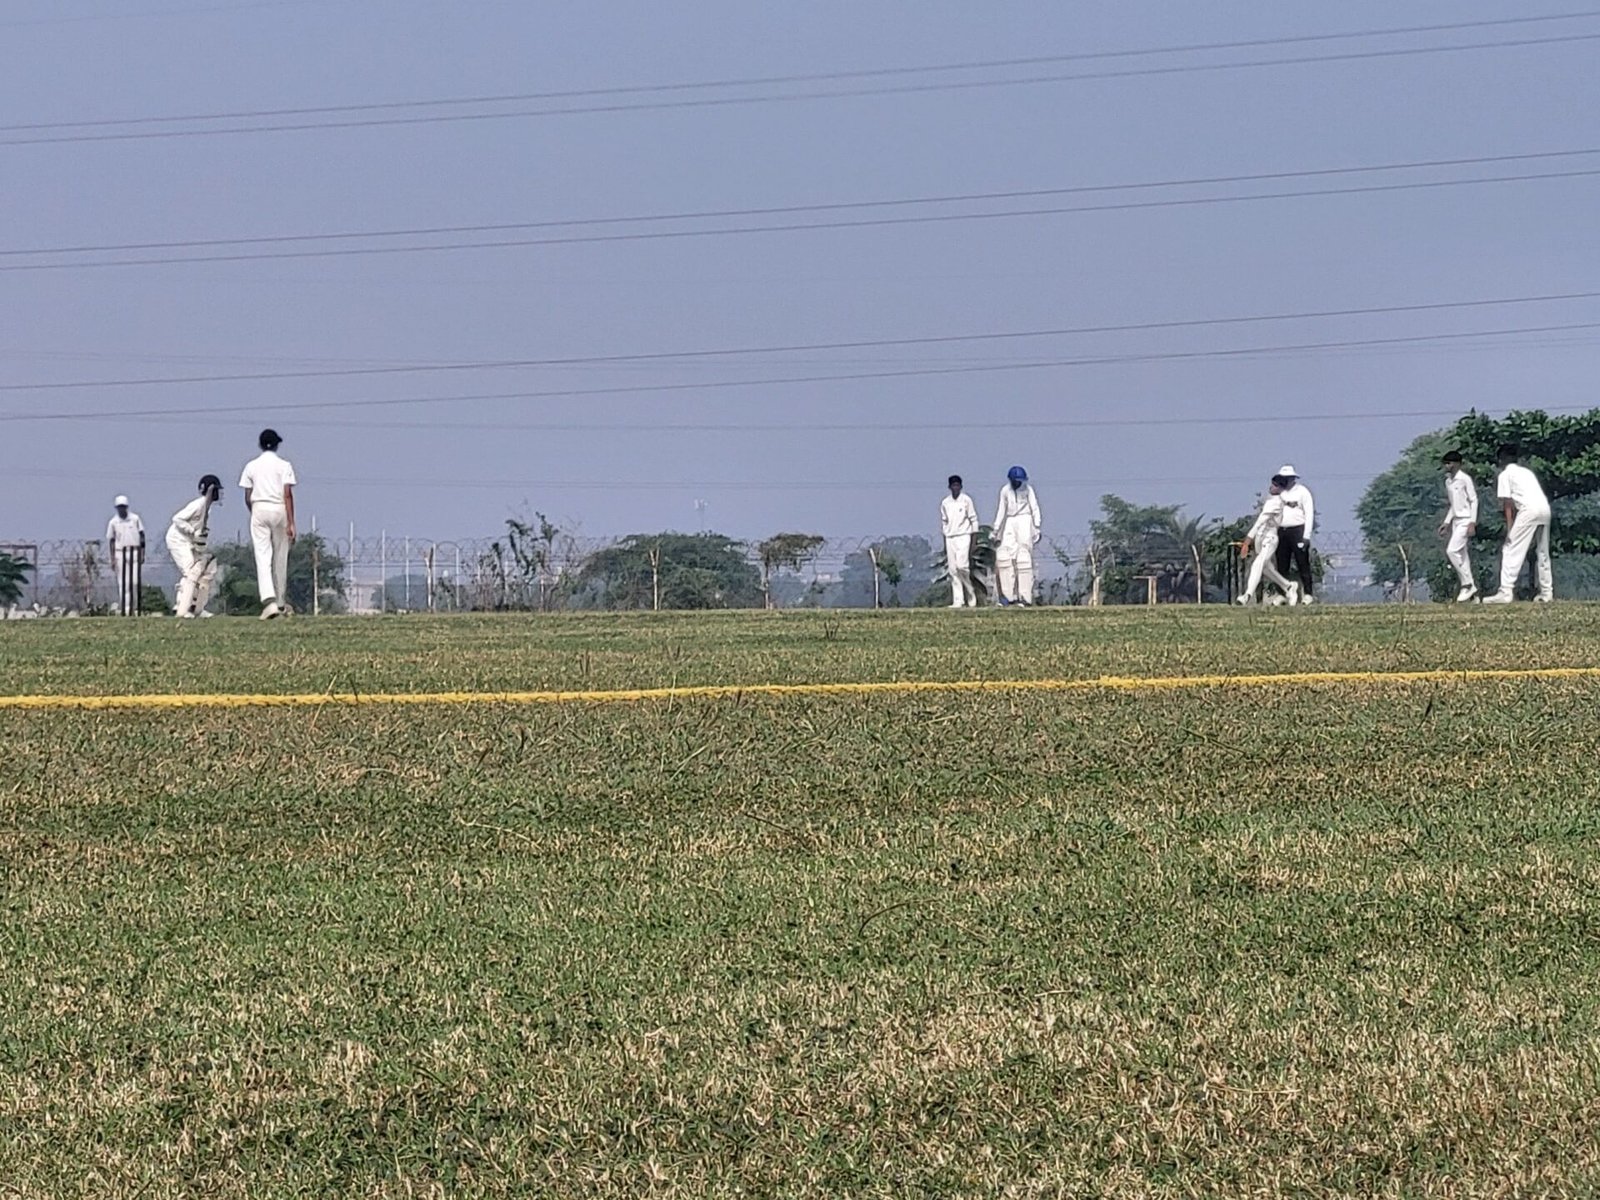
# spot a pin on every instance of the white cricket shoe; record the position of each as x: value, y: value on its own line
x: 1245, y: 600
x: 1292, y: 596
x: 1469, y: 591
x: 1308, y: 599
x: 1544, y: 599
x: 1498, y: 598
x: 272, y: 610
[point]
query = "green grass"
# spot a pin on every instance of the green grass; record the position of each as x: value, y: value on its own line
x: 1030, y: 945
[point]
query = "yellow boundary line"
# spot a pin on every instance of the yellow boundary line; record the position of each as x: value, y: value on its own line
x: 1104, y: 683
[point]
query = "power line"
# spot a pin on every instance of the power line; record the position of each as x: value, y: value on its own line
x: 699, y: 427
x: 812, y: 347
x: 800, y: 227
x: 613, y: 485
x: 921, y: 372
x: 792, y: 209
x: 779, y: 98
x: 760, y: 80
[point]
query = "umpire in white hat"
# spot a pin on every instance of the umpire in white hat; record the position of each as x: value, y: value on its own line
x: 1294, y: 535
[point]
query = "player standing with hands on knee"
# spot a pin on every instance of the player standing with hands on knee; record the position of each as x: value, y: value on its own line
x: 1460, y: 522
x: 268, y: 482
x: 1527, y: 512
x: 1294, y: 535
x: 187, y: 539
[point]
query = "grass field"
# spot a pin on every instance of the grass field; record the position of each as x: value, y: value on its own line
x: 938, y: 944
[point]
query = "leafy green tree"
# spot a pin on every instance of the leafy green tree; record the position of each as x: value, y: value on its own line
x: 1131, y: 540
x: 1403, y: 505
x: 910, y: 559
x: 683, y: 570
x: 981, y: 561
x: 310, y: 558
x: 784, y: 552
x: 13, y: 578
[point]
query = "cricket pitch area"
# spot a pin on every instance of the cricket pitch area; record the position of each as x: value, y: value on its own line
x: 1313, y: 936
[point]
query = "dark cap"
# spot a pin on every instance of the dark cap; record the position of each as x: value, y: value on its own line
x: 954, y: 479
x: 1509, y: 450
x: 207, y: 482
x: 1451, y: 456
x: 270, y: 440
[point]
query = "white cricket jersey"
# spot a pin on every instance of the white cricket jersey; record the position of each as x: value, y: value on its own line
x: 1271, y: 517
x: 1298, y: 509
x: 190, y: 521
x: 1463, y: 496
x: 1018, y: 515
x: 125, y: 534
x: 1521, y: 486
x: 957, y: 516
x: 267, y: 475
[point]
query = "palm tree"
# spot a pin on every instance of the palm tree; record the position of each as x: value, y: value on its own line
x: 13, y: 577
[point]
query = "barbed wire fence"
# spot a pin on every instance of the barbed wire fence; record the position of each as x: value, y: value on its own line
x: 398, y: 573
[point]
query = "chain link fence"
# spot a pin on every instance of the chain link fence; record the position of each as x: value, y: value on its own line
x: 397, y: 573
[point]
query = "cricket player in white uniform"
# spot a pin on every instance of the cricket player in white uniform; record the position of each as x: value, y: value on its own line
x: 1460, y: 522
x: 125, y: 538
x: 959, y: 519
x: 1018, y: 525
x: 268, y: 482
x: 1527, y: 512
x: 1263, y: 537
x: 187, y: 539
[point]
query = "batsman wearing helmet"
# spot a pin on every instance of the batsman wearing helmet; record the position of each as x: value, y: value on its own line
x: 186, y: 542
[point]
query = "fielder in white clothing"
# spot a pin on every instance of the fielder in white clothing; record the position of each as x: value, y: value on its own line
x: 268, y: 482
x: 958, y: 518
x: 1018, y: 526
x: 126, y: 541
x: 1460, y: 522
x: 1527, y: 512
x: 187, y: 539
x: 1263, y: 537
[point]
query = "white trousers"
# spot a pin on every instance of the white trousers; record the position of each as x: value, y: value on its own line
x: 1530, y: 529
x: 958, y: 561
x: 197, y: 571
x: 1014, y: 565
x: 1265, y: 564
x: 269, y: 533
x: 1456, y: 551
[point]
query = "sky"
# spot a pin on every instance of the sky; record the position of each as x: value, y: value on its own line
x: 109, y: 373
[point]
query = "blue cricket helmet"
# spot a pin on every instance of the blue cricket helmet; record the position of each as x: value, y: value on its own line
x: 1017, y: 475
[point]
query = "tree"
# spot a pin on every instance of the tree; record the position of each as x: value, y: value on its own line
x: 1130, y: 540
x: 1403, y: 505
x: 910, y: 559
x: 685, y: 570
x: 313, y: 567
x: 784, y: 552
x: 13, y: 578
x: 981, y: 562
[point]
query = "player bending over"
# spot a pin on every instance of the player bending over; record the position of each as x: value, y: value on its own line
x: 186, y: 542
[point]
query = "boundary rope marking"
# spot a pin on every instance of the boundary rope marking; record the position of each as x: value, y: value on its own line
x: 1103, y: 683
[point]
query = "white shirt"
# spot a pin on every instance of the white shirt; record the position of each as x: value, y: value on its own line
x: 1521, y: 486
x: 1298, y: 509
x: 1463, y: 496
x: 958, y: 516
x: 125, y: 534
x: 190, y: 521
x: 266, y: 476
x: 1271, y: 517
x: 1018, y: 517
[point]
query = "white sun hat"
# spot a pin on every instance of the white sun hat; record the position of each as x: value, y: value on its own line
x: 120, y: 502
x: 1287, y: 469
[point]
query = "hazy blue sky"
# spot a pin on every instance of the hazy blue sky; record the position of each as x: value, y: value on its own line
x: 456, y: 469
